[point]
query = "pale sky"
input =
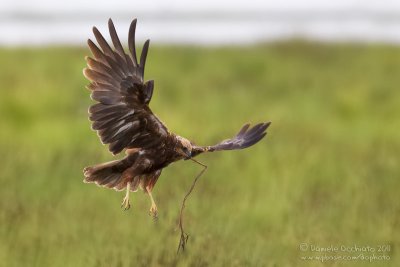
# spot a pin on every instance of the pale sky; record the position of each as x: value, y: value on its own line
x: 42, y: 22
x: 203, y: 5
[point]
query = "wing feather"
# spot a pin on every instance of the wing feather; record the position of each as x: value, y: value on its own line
x: 113, y: 113
x: 115, y: 39
x: 99, y: 77
x: 244, y: 138
x: 106, y: 97
x: 101, y: 67
x: 107, y: 50
x: 121, y: 117
x: 132, y: 42
x: 97, y: 52
x: 99, y: 107
x: 143, y: 56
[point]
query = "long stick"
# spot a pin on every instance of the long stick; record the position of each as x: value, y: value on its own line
x: 185, y: 236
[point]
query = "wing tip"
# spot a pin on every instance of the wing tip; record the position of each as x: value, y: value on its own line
x: 243, y: 130
x: 95, y: 30
x: 90, y: 87
x: 261, y: 125
x: 85, y: 72
x: 132, y: 27
x: 265, y: 125
x: 111, y: 27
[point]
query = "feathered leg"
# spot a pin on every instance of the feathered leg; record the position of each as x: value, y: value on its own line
x: 128, y: 177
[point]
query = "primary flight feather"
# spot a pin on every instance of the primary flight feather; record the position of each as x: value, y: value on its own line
x: 124, y: 121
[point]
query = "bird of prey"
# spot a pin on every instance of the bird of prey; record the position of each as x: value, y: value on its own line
x: 124, y: 121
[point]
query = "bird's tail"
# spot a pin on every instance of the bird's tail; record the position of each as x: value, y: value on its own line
x: 107, y: 174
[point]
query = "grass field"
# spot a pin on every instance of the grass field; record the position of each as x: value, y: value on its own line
x: 328, y: 173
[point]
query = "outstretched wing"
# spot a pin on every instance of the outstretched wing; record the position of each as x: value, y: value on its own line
x: 122, y: 117
x: 246, y: 137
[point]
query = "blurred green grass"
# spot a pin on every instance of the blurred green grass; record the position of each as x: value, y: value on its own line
x: 327, y: 173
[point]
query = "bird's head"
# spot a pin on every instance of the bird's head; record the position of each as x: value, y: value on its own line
x: 184, y: 147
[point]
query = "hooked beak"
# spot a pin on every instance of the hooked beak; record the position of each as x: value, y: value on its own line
x: 188, y: 155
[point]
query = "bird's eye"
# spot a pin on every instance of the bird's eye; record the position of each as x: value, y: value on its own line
x: 187, y: 152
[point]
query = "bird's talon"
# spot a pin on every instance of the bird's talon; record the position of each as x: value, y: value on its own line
x: 153, y: 213
x: 125, y: 204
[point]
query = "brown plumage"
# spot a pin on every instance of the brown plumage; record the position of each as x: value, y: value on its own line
x: 124, y: 121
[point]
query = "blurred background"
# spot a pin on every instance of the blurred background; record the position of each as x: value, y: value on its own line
x: 207, y: 22
x: 326, y: 73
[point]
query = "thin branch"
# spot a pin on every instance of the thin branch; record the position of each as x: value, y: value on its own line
x: 185, y: 236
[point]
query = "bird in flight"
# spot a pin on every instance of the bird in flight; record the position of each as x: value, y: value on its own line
x: 124, y: 121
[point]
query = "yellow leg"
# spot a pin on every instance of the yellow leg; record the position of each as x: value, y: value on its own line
x: 153, y: 208
x: 125, y: 202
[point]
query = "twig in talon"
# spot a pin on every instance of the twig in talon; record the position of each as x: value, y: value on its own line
x: 184, y: 236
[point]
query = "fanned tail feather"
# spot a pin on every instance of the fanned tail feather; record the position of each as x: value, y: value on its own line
x: 107, y: 174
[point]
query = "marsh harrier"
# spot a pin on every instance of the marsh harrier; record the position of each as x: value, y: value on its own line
x: 124, y: 121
